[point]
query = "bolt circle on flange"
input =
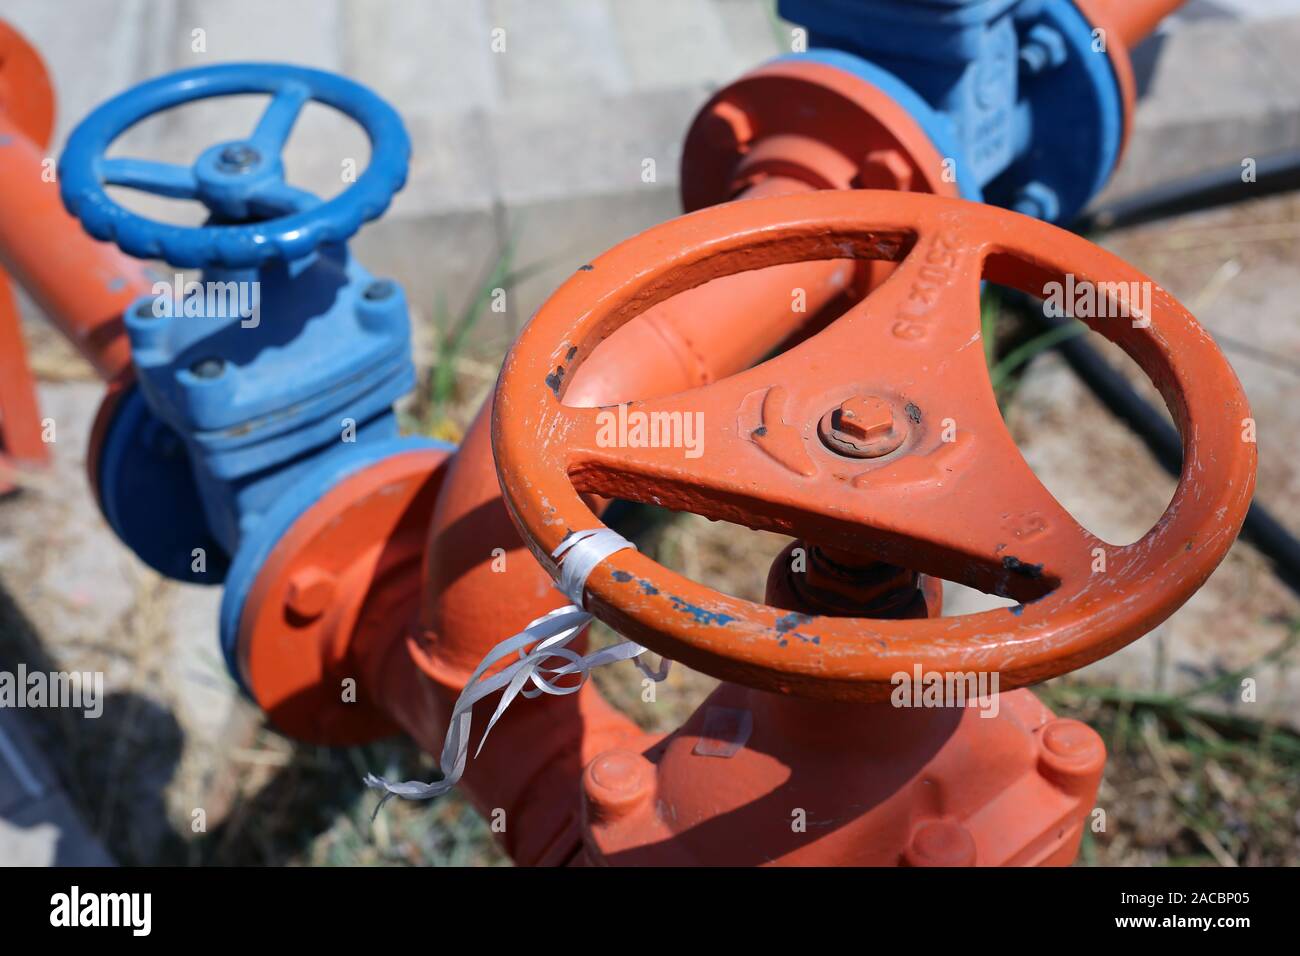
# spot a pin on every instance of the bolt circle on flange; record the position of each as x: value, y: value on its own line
x: 806, y: 100
x: 321, y: 584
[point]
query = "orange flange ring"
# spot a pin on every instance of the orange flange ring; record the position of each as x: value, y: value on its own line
x: 26, y: 97
x: 955, y: 499
x: 343, y: 581
x: 810, y: 121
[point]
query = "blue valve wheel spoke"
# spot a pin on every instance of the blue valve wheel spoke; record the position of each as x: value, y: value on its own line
x: 277, y: 121
x: 150, y: 176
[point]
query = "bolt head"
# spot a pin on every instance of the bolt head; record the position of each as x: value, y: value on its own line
x: 208, y: 368
x: 1038, y: 200
x: 616, y: 782
x: 865, y: 416
x: 310, y: 592
x: 379, y: 290
x: 1044, y: 49
x: 863, y: 426
x: 238, y: 158
x: 1069, y: 738
x: 1071, y: 754
x: 940, y: 843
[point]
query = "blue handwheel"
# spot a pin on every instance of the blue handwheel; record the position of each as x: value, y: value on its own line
x: 257, y: 215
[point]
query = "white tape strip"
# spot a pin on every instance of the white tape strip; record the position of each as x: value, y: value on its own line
x: 543, y: 640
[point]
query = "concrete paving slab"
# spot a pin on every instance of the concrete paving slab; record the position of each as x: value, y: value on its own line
x: 449, y: 69
x: 540, y: 160
x: 674, y: 43
x: 557, y: 50
x: 752, y: 30
x: 308, y: 32
x: 1215, y: 90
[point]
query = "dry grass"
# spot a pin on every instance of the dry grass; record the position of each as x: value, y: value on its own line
x: 1185, y: 787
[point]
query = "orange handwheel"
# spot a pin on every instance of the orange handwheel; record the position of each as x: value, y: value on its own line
x: 879, y: 435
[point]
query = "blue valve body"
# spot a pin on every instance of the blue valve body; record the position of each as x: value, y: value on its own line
x: 260, y: 385
x: 260, y: 399
x: 1033, y: 105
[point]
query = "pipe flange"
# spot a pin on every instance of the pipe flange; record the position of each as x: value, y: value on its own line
x: 333, y: 570
x: 865, y: 120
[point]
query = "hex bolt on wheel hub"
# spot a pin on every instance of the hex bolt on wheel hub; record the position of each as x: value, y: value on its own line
x: 863, y: 426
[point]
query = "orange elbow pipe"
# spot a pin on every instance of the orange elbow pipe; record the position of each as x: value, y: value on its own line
x: 719, y: 328
x: 81, y: 284
x: 481, y: 584
x: 475, y: 598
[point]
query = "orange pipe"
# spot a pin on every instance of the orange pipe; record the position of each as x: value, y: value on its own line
x: 717, y: 329
x: 20, y: 417
x: 81, y: 284
x: 475, y: 598
x: 1133, y: 20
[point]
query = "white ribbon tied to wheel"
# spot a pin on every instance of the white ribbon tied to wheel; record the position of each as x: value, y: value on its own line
x: 543, y: 640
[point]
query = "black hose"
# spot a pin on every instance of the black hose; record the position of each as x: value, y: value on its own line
x: 1220, y: 187
x: 1260, y: 528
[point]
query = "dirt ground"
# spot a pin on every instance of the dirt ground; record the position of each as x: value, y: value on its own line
x: 1194, y: 777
